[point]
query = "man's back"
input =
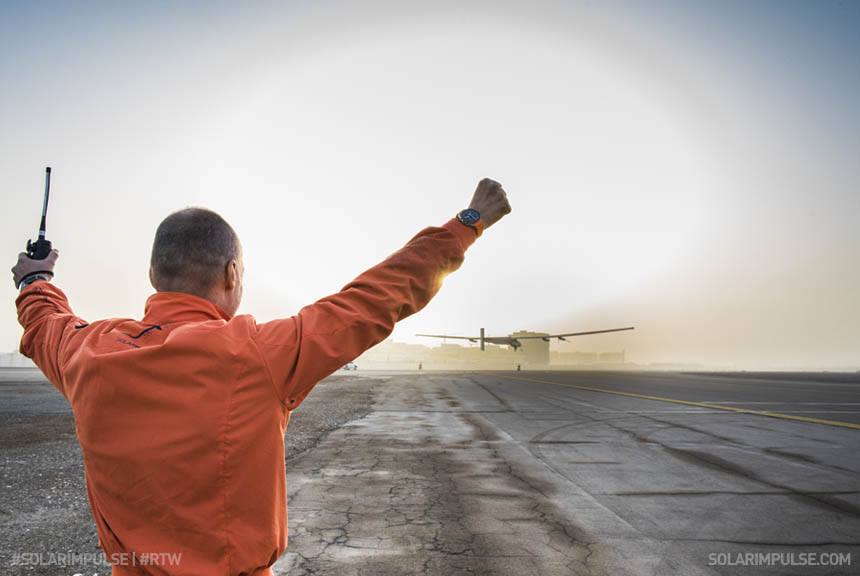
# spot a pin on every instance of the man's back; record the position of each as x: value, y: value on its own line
x: 181, y: 416
x: 182, y: 435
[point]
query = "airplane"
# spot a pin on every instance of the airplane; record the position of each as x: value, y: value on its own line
x: 514, y: 342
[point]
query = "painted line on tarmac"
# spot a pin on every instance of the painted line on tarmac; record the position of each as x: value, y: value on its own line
x: 767, y: 413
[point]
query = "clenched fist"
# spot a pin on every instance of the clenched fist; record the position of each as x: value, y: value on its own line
x: 27, y: 266
x: 491, y: 201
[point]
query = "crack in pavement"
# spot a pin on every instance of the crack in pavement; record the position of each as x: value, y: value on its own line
x: 421, y: 486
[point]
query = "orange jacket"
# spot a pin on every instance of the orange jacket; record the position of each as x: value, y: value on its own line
x: 181, y: 416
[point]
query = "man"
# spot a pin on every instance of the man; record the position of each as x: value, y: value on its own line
x: 181, y: 415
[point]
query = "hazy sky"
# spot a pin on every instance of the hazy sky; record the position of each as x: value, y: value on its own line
x: 687, y: 167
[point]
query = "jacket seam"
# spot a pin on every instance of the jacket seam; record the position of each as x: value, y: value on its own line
x: 224, y: 445
x: 272, y: 385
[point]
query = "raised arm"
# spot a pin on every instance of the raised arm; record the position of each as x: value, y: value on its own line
x: 45, y: 315
x: 322, y: 337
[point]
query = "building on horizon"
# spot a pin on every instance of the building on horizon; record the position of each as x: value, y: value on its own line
x: 533, y: 354
x: 534, y: 350
x: 15, y: 360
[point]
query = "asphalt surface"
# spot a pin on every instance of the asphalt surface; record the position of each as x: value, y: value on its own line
x: 830, y: 396
x: 515, y: 473
x: 523, y: 473
x: 689, y: 481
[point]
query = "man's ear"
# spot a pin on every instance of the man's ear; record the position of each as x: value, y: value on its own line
x: 231, y: 274
x: 152, y: 277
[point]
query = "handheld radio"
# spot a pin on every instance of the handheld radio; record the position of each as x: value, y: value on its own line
x: 40, y: 249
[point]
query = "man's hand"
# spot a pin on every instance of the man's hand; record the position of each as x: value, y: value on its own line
x: 27, y: 266
x: 491, y: 201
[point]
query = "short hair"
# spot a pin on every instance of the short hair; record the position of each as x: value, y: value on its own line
x: 191, y: 249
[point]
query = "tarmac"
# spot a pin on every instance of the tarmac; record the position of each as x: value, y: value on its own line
x: 516, y: 473
x: 550, y: 473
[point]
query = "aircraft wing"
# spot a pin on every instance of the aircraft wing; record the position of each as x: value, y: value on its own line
x: 470, y: 338
x: 563, y: 336
x: 504, y: 340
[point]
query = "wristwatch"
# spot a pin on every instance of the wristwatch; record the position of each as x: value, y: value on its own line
x: 471, y: 218
x: 32, y: 277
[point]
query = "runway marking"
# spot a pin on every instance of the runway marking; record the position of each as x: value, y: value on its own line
x: 711, y: 405
x: 788, y: 403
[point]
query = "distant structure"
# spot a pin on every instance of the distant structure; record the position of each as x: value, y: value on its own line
x: 535, y: 351
x: 15, y: 360
x: 579, y: 358
x: 534, y: 354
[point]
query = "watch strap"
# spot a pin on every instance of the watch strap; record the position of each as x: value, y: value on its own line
x: 33, y: 276
x: 479, y: 226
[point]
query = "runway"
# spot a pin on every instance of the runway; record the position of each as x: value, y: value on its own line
x: 579, y: 473
x: 698, y: 480
x: 822, y: 398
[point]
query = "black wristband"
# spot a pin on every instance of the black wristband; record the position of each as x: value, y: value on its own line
x: 33, y: 276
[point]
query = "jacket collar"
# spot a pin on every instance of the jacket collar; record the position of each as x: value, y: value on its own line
x: 166, y: 307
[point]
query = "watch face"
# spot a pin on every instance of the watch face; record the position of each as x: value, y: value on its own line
x: 469, y: 216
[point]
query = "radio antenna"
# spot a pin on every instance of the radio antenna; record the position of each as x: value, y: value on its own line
x: 45, y: 204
